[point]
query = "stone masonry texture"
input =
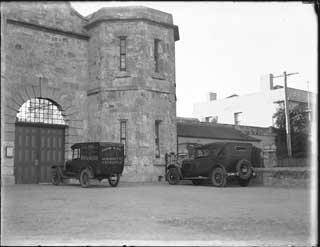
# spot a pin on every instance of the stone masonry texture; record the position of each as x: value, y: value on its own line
x: 78, y: 59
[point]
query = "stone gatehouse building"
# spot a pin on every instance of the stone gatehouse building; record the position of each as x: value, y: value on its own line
x: 66, y: 78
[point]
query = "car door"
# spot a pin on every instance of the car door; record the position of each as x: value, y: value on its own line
x: 84, y: 157
x: 188, y: 168
x: 77, y: 160
x: 197, y: 166
x: 202, y: 163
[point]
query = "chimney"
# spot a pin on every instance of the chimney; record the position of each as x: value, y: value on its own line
x: 266, y: 82
x: 212, y: 96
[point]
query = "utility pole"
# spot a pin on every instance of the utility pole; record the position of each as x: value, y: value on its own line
x: 286, y: 109
x: 309, y: 108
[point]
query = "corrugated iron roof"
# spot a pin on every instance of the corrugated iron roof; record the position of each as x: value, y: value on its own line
x: 215, y: 131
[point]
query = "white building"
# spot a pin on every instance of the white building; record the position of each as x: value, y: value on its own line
x: 255, y: 109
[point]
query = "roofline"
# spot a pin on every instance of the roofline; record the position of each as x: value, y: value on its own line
x: 223, y: 143
x: 100, y: 20
x: 82, y: 143
x: 76, y: 12
x: 219, y: 138
x: 48, y: 29
x: 222, y: 125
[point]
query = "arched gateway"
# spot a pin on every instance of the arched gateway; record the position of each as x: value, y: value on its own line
x: 39, y: 140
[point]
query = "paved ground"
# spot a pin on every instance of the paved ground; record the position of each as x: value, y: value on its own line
x: 136, y: 213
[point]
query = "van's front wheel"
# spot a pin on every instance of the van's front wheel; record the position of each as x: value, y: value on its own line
x: 114, y: 180
x: 85, y: 178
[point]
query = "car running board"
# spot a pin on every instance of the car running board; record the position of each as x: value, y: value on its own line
x: 195, y: 178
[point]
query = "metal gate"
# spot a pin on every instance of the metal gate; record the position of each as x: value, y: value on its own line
x: 37, y: 147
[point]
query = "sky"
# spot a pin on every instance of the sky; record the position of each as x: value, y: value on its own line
x: 225, y: 47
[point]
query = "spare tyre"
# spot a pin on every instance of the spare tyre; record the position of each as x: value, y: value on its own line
x: 244, y: 169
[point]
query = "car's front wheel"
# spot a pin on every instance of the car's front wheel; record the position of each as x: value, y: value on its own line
x: 173, y: 176
x: 219, y: 177
x: 85, y: 178
x: 114, y: 180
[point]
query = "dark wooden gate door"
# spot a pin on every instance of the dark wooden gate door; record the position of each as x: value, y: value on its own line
x: 37, y: 147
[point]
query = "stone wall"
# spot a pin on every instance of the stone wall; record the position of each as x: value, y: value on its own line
x: 40, y: 40
x: 139, y: 94
x: 77, y: 60
x: 283, y: 177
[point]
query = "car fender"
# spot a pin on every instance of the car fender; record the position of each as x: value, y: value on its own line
x: 178, y: 169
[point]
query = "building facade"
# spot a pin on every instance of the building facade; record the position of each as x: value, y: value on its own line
x: 66, y: 79
x: 255, y: 109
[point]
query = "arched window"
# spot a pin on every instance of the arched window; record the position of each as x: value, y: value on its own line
x: 39, y: 110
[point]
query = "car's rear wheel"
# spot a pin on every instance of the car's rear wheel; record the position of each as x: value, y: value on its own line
x: 243, y: 182
x: 114, y: 180
x: 197, y: 181
x: 219, y: 177
x: 85, y: 178
x: 173, y: 176
x: 55, y: 177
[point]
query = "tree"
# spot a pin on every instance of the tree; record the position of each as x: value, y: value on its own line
x: 300, y: 131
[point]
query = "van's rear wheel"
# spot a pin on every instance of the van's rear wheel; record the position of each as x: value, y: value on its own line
x: 173, y: 176
x: 114, y: 180
x: 85, y: 178
x: 219, y: 177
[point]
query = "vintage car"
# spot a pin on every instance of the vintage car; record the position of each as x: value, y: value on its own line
x: 92, y: 160
x: 213, y: 162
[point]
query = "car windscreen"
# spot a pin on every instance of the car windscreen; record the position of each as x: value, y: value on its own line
x: 76, y: 154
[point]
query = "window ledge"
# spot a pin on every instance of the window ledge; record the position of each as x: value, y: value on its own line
x: 157, y: 76
x: 122, y: 74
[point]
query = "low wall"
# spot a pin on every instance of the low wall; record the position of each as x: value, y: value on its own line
x: 294, y: 162
x: 283, y: 177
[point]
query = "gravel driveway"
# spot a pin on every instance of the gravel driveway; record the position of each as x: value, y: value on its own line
x: 154, y: 214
